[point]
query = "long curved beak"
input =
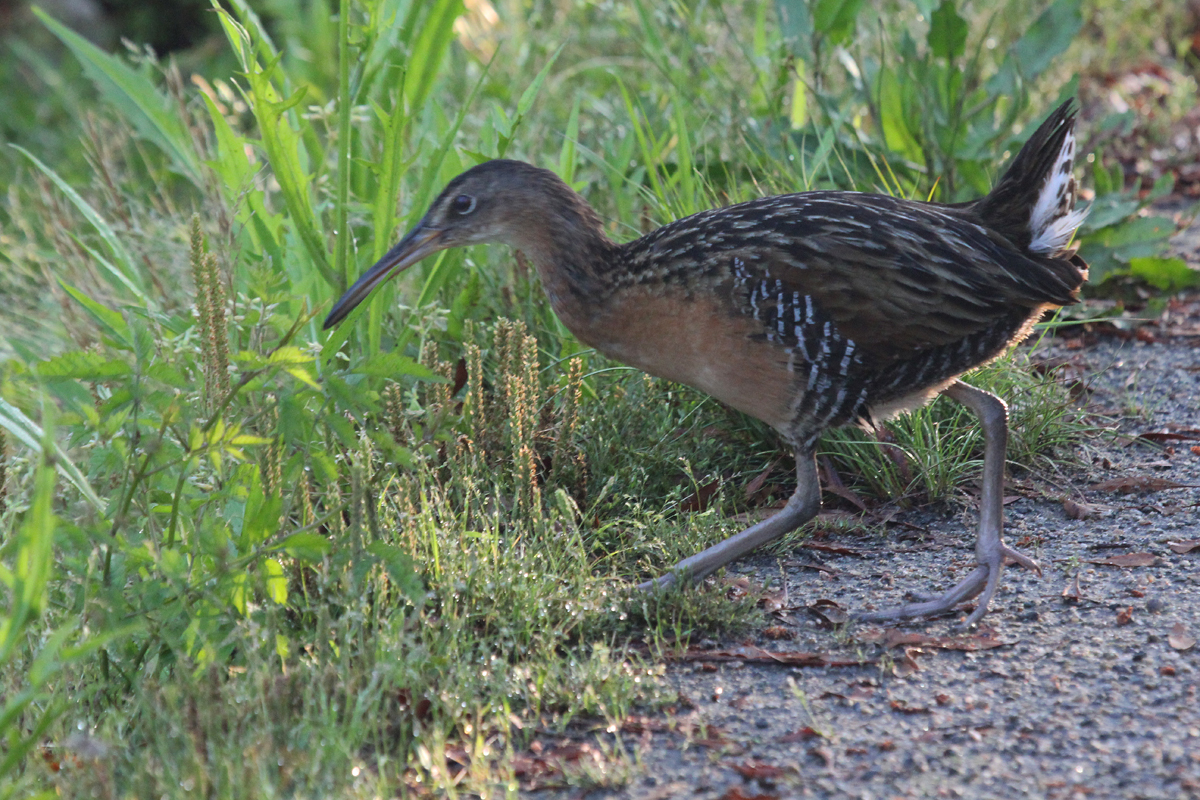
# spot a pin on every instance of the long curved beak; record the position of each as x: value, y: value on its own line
x: 421, y: 241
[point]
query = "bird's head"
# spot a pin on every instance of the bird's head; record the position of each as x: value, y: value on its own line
x: 498, y: 201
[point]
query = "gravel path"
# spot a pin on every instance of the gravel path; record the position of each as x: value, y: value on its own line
x: 1088, y: 696
x: 1078, y: 684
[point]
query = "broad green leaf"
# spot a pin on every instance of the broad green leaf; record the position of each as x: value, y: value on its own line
x: 82, y: 365
x: 531, y: 91
x: 566, y: 154
x: 265, y: 521
x: 394, y: 365
x: 309, y: 547
x: 289, y: 355
x: 173, y: 563
x: 111, y: 321
x: 237, y: 35
x: 947, y: 32
x: 1110, y: 209
x: 237, y: 591
x: 1049, y: 36
x: 231, y: 163
x: 798, y: 116
x: 1109, y: 250
x: 254, y: 24
x: 896, y: 133
x: 836, y: 19
x: 1138, y: 231
x: 169, y: 375
x: 1164, y: 273
x: 295, y: 362
x: 277, y: 585
x: 282, y: 141
x: 35, y: 548
x: 108, y: 267
x: 796, y: 26
x: 249, y: 440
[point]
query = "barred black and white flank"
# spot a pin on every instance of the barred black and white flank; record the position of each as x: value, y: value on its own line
x: 807, y: 310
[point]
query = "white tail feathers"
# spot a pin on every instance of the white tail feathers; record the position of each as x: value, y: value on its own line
x: 1054, y: 218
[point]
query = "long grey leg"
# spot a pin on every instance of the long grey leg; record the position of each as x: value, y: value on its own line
x: 990, y: 549
x: 801, y: 507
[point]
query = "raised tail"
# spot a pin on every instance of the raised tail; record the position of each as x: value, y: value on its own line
x: 1034, y: 202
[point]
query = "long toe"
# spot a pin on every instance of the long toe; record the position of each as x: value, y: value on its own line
x: 944, y: 603
x: 981, y: 583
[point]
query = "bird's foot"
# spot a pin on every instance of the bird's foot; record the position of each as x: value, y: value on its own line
x: 982, y: 583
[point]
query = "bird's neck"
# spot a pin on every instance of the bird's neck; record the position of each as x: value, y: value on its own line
x: 574, y: 258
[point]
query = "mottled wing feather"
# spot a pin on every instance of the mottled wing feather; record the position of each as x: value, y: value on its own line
x: 917, y: 278
x: 895, y: 276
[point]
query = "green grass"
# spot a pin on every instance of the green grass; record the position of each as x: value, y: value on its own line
x: 286, y: 563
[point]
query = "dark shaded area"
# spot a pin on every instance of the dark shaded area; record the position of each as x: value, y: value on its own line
x: 165, y: 26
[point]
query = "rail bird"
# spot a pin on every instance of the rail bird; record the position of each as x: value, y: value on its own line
x: 808, y: 311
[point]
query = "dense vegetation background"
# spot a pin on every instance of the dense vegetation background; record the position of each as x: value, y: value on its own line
x: 244, y: 557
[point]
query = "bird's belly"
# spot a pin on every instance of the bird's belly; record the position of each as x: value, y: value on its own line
x: 693, y: 341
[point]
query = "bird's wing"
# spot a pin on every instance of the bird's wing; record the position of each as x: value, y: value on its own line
x: 894, y: 277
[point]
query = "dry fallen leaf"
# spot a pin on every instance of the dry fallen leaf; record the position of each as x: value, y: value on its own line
x: 1182, y: 435
x: 837, y: 549
x: 1076, y: 510
x: 825, y: 754
x: 906, y: 665
x: 639, y: 724
x: 699, y: 500
x: 778, y: 632
x: 802, y: 735
x: 891, y: 637
x: 1179, y: 638
x: 833, y: 484
x: 1126, y: 560
x: 773, y: 601
x: 905, y: 708
x: 1072, y: 593
x: 1184, y: 547
x: 829, y: 613
x: 753, y: 770
x: 1139, y: 483
x: 756, y: 485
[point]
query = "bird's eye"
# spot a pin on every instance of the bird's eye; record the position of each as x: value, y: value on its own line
x: 463, y: 204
